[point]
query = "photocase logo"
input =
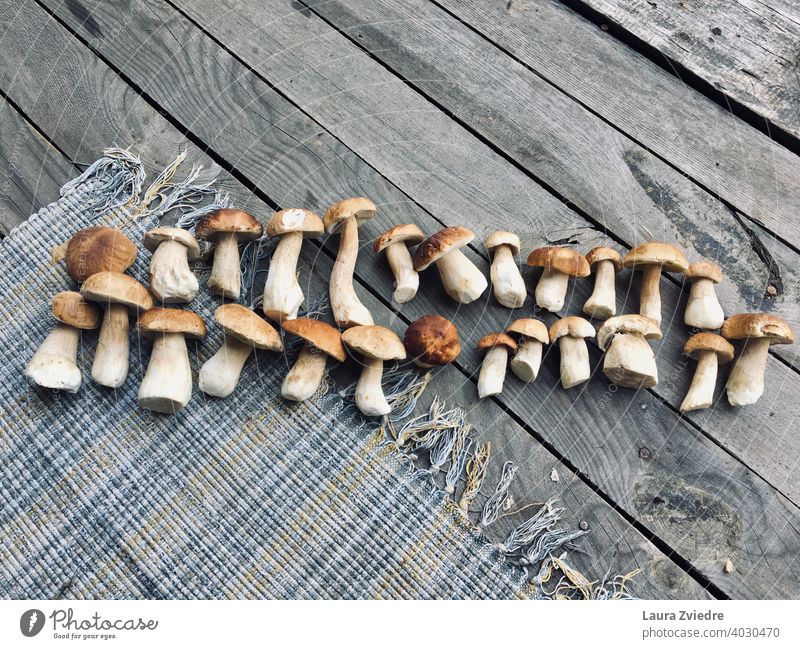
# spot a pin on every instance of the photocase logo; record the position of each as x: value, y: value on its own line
x: 31, y: 622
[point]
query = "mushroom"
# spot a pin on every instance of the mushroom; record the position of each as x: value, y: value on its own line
x: 606, y: 262
x: 395, y: 242
x: 703, y: 310
x: 345, y: 217
x: 376, y: 344
x: 759, y: 331
x: 629, y: 360
x: 118, y: 293
x: 507, y: 283
x: 244, y: 332
x: 282, y: 293
x: 462, y: 279
x: 321, y: 341
x: 226, y: 227
x: 528, y: 359
x: 559, y: 265
x: 495, y: 362
x: 93, y: 250
x: 651, y: 258
x: 709, y: 350
x: 171, y: 279
x: 54, y: 364
x: 432, y: 340
x: 570, y: 333
x: 167, y: 383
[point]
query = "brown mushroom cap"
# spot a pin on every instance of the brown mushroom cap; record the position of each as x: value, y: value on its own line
x: 319, y: 334
x: 70, y: 308
x: 503, y: 238
x: 758, y: 325
x: 573, y: 326
x: 229, y: 220
x: 530, y: 328
x: 432, y: 340
x: 708, y: 342
x: 295, y: 220
x: 630, y: 323
x: 438, y: 245
x: 657, y: 253
x: 374, y: 341
x: 110, y: 287
x: 493, y: 340
x: 361, y: 208
x: 93, y: 250
x: 603, y: 253
x: 155, y: 237
x: 172, y: 321
x: 704, y: 270
x: 564, y: 260
x: 245, y: 325
x: 407, y: 233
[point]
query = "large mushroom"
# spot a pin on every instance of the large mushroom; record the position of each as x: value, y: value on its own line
x: 559, y: 264
x: 759, y: 331
x: 171, y: 279
x: 570, y: 333
x: 226, y: 228
x: 531, y: 335
x: 96, y: 249
x: 167, y: 383
x: 462, y: 279
x: 119, y: 294
x: 606, y: 263
x: 507, y: 283
x: 432, y: 341
x: 244, y: 332
x: 495, y: 361
x: 710, y: 351
x: 321, y: 341
x: 651, y: 258
x: 54, y: 365
x: 703, y: 310
x: 376, y: 344
x: 629, y: 360
x: 395, y: 242
x: 282, y: 293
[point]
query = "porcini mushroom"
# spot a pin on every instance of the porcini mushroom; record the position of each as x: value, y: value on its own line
x: 226, y: 228
x: 376, y: 345
x: 96, y: 249
x: 570, y: 333
x: 54, y: 365
x: 171, y: 279
x: 321, y: 341
x: 759, y: 331
x: 282, y: 293
x: 559, y: 265
x: 244, y: 332
x: 709, y: 350
x: 629, y: 360
x: 167, y: 383
x: 493, y: 369
x: 703, y: 310
x: 119, y: 294
x: 507, y: 283
x: 532, y: 334
x: 651, y: 258
x: 462, y: 279
x: 606, y: 263
x: 395, y: 242
x: 432, y: 340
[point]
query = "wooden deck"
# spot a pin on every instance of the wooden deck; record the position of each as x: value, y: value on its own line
x: 580, y: 122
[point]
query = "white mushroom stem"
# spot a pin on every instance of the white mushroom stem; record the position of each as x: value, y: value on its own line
x: 701, y: 391
x: 552, y: 289
x: 493, y: 371
x: 347, y: 308
x: 171, y: 279
x: 282, y: 293
x: 167, y: 383
x: 406, y: 279
x: 54, y: 365
x: 507, y: 282
x: 369, y: 391
x: 603, y: 301
x: 463, y: 281
x: 746, y: 381
x: 220, y: 373
x: 703, y: 309
x: 650, y: 300
x: 527, y: 360
x: 225, y: 278
x: 306, y: 374
x: 574, y: 361
x: 630, y: 362
x: 110, y: 366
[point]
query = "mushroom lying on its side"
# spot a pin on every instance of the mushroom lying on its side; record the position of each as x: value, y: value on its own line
x: 709, y: 350
x: 606, y: 263
x: 376, y: 345
x: 432, y: 341
x: 629, y: 360
x: 171, y: 279
x: 321, y: 341
x: 493, y: 369
x: 507, y: 283
x: 651, y: 258
x: 559, y: 265
x: 703, y: 310
x: 462, y: 279
x: 570, y: 333
x: 97, y: 249
x: 395, y: 242
x: 532, y: 334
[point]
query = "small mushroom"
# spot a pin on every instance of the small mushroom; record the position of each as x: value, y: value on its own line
x: 54, y: 365
x: 345, y: 217
x: 651, y: 258
x: 226, y: 228
x: 570, y: 333
x: 171, y: 279
x: 167, y: 383
x: 759, y: 331
x: 376, y: 344
x: 709, y: 350
x: 282, y: 293
x: 629, y: 360
x: 495, y: 362
x: 703, y: 310
x: 395, y: 242
x: 532, y: 334
x: 244, y: 332
x: 509, y: 287
x: 119, y: 294
x: 559, y: 265
x: 606, y: 263
x: 462, y: 279
x: 321, y: 341
x: 431, y: 341
x: 96, y: 249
